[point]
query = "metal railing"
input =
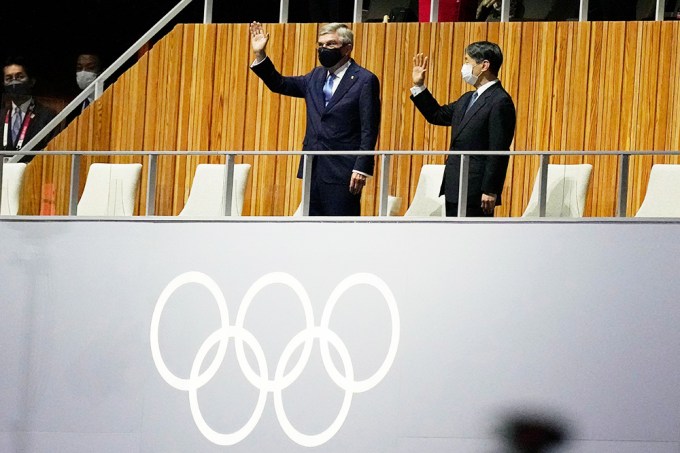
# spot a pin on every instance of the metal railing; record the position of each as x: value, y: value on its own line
x: 383, y: 182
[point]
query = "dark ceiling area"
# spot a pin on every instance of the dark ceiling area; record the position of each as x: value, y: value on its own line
x: 50, y: 35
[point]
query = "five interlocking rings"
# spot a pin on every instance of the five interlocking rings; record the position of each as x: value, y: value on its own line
x: 282, y: 380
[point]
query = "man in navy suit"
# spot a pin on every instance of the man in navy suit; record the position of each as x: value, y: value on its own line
x: 481, y: 120
x: 343, y: 114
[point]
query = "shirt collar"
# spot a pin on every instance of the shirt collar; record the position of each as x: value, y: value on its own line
x: 485, y: 87
x: 24, y: 106
x: 342, y: 70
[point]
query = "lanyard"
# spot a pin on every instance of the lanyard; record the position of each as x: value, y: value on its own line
x: 24, y: 127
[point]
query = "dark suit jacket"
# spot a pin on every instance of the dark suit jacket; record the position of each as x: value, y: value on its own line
x: 350, y: 121
x: 488, y: 125
x: 42, y: 116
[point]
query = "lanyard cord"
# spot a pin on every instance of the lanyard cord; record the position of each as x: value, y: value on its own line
x: 24, y: 127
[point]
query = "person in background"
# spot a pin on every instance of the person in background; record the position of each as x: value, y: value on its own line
x: 343, y: 114
x: 490, y: 10
x: 88, y: 68
x: 481, y: 120
x: 22, y: 115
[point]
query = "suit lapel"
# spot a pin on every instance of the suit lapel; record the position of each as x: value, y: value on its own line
x: 476, y: 107
x: 345, y: 84
x: 318, y: 80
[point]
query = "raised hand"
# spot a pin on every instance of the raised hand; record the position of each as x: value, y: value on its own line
x: 419, y: 69
x: 258, y: 40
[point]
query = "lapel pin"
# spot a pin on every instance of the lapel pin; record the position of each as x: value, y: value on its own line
x: 352, y: 78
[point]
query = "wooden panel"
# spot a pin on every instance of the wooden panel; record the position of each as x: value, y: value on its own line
x: 576, y: 86
x: 510, y: 39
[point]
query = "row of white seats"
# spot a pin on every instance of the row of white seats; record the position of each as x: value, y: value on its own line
x: 111, y: 189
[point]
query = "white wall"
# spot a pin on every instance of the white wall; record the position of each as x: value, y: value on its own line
x: 577, y: 319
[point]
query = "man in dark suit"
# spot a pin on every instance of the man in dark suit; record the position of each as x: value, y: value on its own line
x: 481, y: 120
x: 343, y: 113
x: 22, y: 116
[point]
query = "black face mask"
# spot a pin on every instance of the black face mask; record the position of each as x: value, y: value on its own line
x: 330, y: 57
x: 18, y: 89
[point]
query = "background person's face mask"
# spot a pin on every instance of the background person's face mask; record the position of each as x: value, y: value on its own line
x: 85, y: 78
x: 17, y: 90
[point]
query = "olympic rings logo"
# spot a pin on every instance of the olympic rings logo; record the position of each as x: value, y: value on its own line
x: 260, y: 380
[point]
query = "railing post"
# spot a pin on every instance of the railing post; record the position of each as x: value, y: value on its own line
x: 660, y: 9
x: 358, y: 9
x: 2, y: 167
x: 622, y: 195
x: 384, y: 184
x: 434, y: 11
x: 306, y: 182
x: 283, y: 12
x: 583, y: 11
x: 75, y: 177
x: 543, y: 184
x: 207, y: 12
x: 98, y: 88
x: 463, y: 185
x: 229, y: 183
x: 505, y: 11
x: 151, y: 186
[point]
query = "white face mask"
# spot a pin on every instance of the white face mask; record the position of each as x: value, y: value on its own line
x: 85, y: 78
x: 468, y: 76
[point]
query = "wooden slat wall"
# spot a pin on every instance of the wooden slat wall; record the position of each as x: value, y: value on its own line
x: 576, y: 86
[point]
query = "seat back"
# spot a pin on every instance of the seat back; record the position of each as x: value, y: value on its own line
x: 12, y: 178
x: 426, y: 201
x: 566, y: 191
x: 393, y: 205
x: 110, y: 190
x: 663, y: 192
x: 208, y: 191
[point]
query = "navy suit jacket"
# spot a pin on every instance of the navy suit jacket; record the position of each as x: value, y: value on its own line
x: 489, y: 125
x: 350, y: 121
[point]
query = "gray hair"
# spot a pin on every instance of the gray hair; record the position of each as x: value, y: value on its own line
x: 344, y: 33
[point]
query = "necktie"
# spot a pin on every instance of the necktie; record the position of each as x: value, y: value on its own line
x: 475, y: 95
x: 328, y: 88
x: 16, y: 124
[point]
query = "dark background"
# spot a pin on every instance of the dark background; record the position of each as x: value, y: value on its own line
x: 51, y: 34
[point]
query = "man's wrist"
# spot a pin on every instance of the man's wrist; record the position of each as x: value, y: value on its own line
x: 417, y: 89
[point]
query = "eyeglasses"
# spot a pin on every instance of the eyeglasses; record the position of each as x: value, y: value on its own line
x: 330, y: 45
x: 19, y: 77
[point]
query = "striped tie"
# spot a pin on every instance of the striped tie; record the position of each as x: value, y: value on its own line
x: 16, y: 124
